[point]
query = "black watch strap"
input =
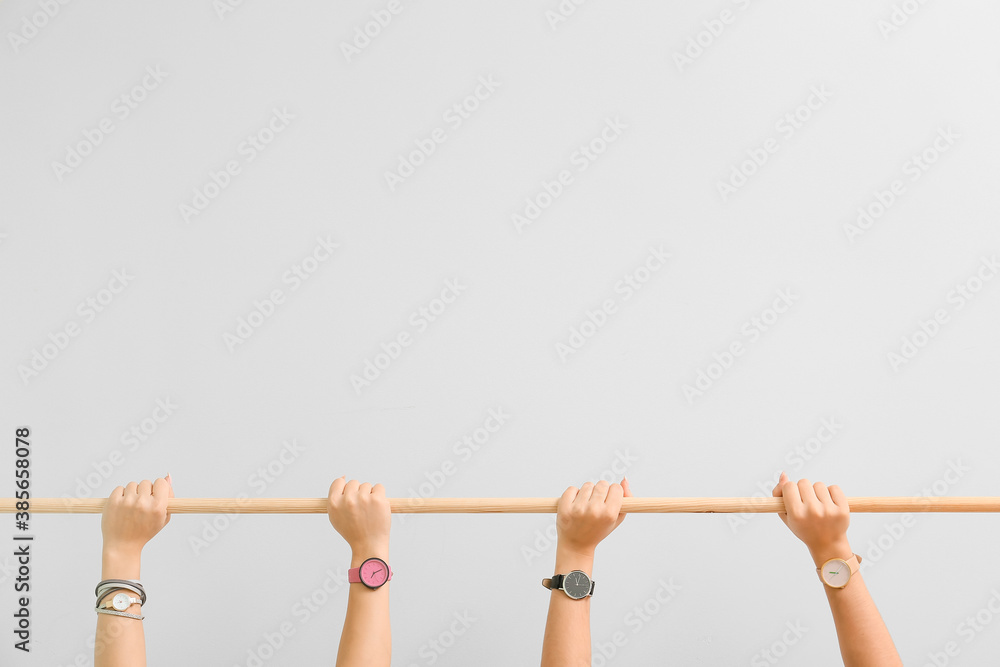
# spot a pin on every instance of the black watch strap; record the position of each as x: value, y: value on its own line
x: 556, y: 583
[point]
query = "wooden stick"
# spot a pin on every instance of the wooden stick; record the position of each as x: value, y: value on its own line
x: 509, y: 505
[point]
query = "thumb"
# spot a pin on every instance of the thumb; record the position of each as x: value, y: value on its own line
x: 627, y: 493
x: 171, y: 495
x: 776, y: 492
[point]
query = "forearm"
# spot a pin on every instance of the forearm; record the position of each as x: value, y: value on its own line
x: 567, y: 628
x: 120, y: 641
x: 863, y: 636
x: 366, y: 640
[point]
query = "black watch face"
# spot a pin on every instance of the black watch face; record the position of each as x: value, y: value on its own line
x: 576, y: 585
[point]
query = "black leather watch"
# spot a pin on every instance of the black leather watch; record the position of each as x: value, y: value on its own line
x: 576, y: 584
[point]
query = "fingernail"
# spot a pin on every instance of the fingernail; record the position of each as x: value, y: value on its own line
x: 168, y: 478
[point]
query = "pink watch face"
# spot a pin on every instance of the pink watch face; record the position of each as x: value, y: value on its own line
x: 374, y: 573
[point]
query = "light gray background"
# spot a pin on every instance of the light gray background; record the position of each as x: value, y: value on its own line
x: 619, y: 397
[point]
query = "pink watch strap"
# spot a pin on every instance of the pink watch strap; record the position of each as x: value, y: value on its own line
x: 354, y: 575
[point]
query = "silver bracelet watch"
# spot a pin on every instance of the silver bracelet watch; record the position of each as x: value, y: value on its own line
x: 120, y: 602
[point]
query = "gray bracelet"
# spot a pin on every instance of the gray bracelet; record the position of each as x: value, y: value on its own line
x: 119, y: 613
x: 104, y: 589
x: 130, y: 584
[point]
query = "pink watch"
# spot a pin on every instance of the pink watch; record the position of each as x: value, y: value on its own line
x: 373, y: 573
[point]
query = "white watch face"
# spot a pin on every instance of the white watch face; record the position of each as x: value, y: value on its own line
x: 836, y: 573
x: 121, y: 602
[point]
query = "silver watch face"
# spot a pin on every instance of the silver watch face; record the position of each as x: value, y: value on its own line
x: 121, y: 602
x: 576, y: 584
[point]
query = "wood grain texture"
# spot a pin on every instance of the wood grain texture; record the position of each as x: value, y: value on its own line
x: 511, y: 505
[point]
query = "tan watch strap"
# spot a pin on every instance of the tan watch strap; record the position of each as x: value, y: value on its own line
x: 853, y: 563
x: 110, y: 602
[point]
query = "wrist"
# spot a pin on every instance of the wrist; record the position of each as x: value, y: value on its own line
x: 824, y: 552
x: 119, y: 562
x: 568, y: 559
x: 576, y: 550
x: 363, y: 551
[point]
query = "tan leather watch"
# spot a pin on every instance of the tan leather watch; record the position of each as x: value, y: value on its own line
x: 836, y: 572
x: 120, y: 602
